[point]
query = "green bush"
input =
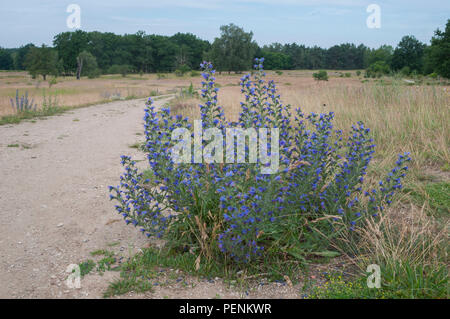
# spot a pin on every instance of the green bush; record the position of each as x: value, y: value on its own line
x: 405, y: 71
x: 123, y: 69
x: 94, y: 73
x: 195, y: 73
x: 154, y: 92
x: 322, y: 75
x: 188, y: 92
x: 114, y: 69
x: 377, y: 69
x: 182, y: 70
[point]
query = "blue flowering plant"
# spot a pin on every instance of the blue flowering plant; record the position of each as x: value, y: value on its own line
x: 234, y: 212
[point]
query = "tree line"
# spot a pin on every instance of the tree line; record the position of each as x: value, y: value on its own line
x: 94, y: 53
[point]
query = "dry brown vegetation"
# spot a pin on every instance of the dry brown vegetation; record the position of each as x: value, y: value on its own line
x: 402, y: 117
x: 86, y: 91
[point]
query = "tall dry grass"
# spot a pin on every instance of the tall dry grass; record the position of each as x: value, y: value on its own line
x: 410, y: 248
x: 403, y: 236
x: 73, y: 93
x: 402, y: 118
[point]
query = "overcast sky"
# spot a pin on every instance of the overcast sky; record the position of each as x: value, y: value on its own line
x: 310, y: 22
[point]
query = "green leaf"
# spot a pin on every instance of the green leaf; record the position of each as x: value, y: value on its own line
x: 296, y: 253
x: 326, y: 253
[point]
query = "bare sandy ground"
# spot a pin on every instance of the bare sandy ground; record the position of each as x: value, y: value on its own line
x: 55, y: 208
x: 54, y: 205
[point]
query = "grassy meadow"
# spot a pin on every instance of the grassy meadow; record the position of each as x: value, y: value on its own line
x: 401, y: 116
x: 404, y: 116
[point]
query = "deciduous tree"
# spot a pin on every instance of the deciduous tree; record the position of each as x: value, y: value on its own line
x: 42, y: 61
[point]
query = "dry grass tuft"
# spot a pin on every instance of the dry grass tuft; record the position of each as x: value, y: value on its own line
x: 407, y: 236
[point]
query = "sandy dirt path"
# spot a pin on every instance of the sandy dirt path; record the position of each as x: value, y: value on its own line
x: 54, y: 205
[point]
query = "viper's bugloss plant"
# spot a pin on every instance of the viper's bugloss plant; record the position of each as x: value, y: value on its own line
x: 232, y: 209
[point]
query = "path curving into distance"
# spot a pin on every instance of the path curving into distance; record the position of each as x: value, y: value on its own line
x: 54, y: 198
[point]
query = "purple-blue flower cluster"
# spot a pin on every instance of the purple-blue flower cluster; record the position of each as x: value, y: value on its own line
x: 235, y: 207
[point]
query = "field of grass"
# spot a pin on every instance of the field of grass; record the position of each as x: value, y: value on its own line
x: 403, y: 117
x: 73, y: 93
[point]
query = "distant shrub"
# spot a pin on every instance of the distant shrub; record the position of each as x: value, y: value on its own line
x: 114, y: 69
x: 322, y: 75
x: 182, y: 70
x: 160, y: 76
x: 52, y: 82
x: 278, y: 72
x: 405, y: 71
x: 195, y: 73
x: 188, y: 92
x: 122, y: 69
x: 154, y: 92
x: 377, y: 69
x: 94, y: 73
x: 358, y: 73
x: 348, y: 75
